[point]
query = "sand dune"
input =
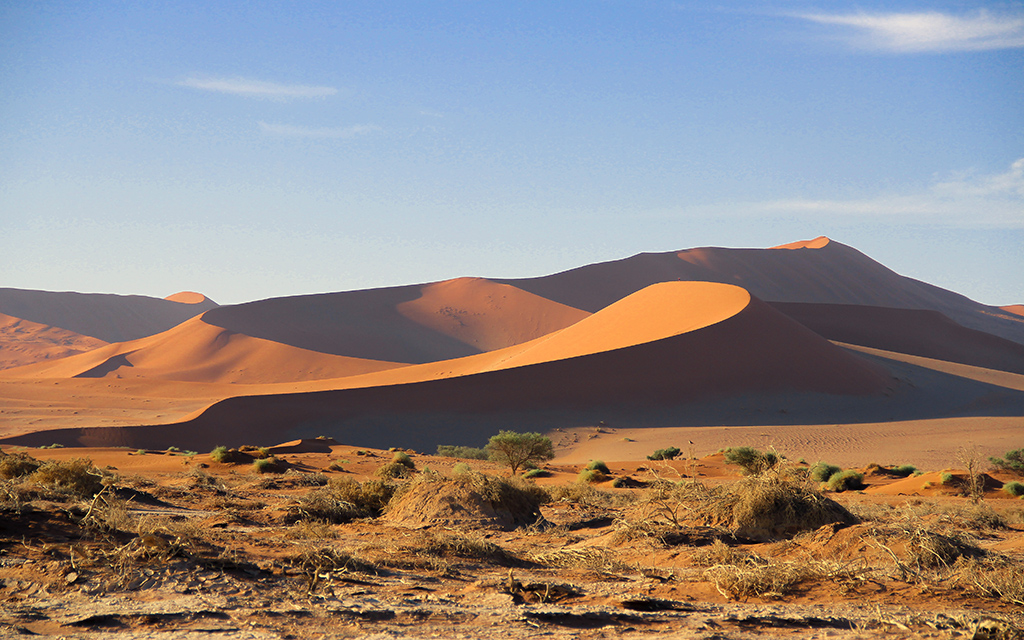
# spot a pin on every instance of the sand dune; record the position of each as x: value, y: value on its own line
x: 24, y: 342
x: 188, y: 297
x: 911, y: 331
x: 670, y: 344
x: 817, y: 271
x: 195, y: 351
x: 415, y: 323
x: 1016, y: 309
x: 108, y: 317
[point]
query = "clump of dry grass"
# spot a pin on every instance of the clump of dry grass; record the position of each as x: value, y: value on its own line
x: 767, y: 507
x: 342, y: 500
x: 719, y: 553
x: 592, y: 558
x: 17, y: 465
x: 321, y: 564
x: 77, y: 477
x: 994, y: 577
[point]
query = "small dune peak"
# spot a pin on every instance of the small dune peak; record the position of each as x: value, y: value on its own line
x: 187, y: 297
x: 1016, y: 309
x: 816, y: 243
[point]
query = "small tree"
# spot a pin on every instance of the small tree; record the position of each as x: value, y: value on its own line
x: 518, y: 449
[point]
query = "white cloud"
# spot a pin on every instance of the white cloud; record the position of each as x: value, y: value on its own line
x: 317, y: 132
x: 932, y: 31
x: 250, y: 88
x: 967, y: 200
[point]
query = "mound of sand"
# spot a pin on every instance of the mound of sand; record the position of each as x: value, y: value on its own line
x: 415, y: 323
x: 24, y: 342
x: 187, y: 297
x: 196, y: 351
x: 911, y: 331
x: 816, y: 243
x: 1016, y: 309
x: 108, y: 317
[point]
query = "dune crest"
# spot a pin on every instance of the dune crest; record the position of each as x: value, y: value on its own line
x: 816, y: 243
x: 1015, y: 309
x: 187, y: 297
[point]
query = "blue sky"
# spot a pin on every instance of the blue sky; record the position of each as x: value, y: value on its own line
x: 249, y: 150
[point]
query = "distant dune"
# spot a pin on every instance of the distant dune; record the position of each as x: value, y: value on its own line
x: 108, y: 317
x: 912, y: 331
x: 415, y: 323
x: 24, y: 342
x: 817, y: 271
x: 667, y: 345
x: 195, y: 351
x: 1016, y: 309
x: 188, y: 297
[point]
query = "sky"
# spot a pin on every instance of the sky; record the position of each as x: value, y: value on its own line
x: 251, y: 149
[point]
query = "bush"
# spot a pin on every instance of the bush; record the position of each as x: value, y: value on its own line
x: 537, y: 473
x: 403, y: 459
x: 904, y: 471
x: 766, y: 507
x: 393, y: 470
x: 266, y: 465
x: 17, y: 465
x: 343, y: 500
x: 598, y: 465
x: 848, y: 480
x: 750, y: 460
x: 591, y: 476
x: 454, y: 451
x: 822, y: 471
x: 1014, y: 461
x: 947, y: 478
x: 220, y: 454
x: 518, y: 449
x: 461, y: 468
x: 78, y: 477
x: 664, y: 454
x: 1014, y: 488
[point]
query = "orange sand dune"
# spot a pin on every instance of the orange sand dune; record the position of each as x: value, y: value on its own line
x: 816, y: 243
x: 415, y: 323
x: 1016, y: 309
x: 672, y: 343
x: 24, y: 342
x: 911, y: 331
x: 816, y: 271
x: 108, y: 317
x: 187, y: 297
x: 195, y: 351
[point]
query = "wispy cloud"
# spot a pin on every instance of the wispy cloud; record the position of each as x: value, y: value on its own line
x: 317, y: 132
x: 927, y: 32
x: 965, y: 200
x: 250, y: 88
x: 969, y: 200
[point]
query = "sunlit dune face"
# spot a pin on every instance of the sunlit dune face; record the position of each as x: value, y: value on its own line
x: 817, y: 243
x: 187, y: 297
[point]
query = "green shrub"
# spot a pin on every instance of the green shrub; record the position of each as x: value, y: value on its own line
x: 220, y: 454
x: 518, y: 449
x: 393, y: 470
x: 454, y: 451
x: 598, y: 465
x: 266, y: 465
x: 403, y: 458
x: 1014, y: 488
x: 947, y: 478
x: 173, y: 449
x: 591, y: 476
x: 461, y: 468
x: 668, y: 453
x: 335, y: 466
x: 1014, y: 461
x: 822, y: 471
x: 904, y: 471
x: 848, y: 480
x: 537, y: 473
x: 750, y: 460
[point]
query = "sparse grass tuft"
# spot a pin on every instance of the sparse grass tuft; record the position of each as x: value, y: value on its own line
x: 78, y: 477
x: 536, y: 473
x: 750, y: 460
x: 393, y: 470
x: 403, y: 458
x: 598, y: 465
x: 848, y: 480
x: 267, y: 465
x: 220, y: 454
x: 822, y: 471
x: 904, y: 470
x: 668, y: 453
x: 1014, y: 488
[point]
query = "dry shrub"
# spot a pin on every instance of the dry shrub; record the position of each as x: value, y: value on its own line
x: 322, y: 563
x: 394, y: 470
x: 994, y: 577
x: 201, y: 479
x: 343, y: 500
x: 586, y: 495
x: 592, y: 558
x: 771, y: 580
x: 472, y: 499
x: 17, y: 465
x: 311, y: 530
x: 766, y: 507
x: 719, y: 553
x: 449, y: 544
x: 77, y: 477
x: 928, y: 549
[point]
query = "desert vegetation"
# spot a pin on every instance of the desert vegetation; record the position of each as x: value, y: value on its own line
x: 326, y: 539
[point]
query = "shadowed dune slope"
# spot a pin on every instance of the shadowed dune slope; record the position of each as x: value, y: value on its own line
x: 195, y: 351
x: 109, y: 317
x: 25, y: 342
x: 912, y: 331
x: 414, y: 323
x: 818, y: 271
x: 723, y: 344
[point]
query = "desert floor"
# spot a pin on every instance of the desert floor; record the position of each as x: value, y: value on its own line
x: 178, y: 545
